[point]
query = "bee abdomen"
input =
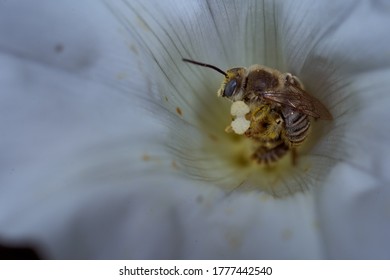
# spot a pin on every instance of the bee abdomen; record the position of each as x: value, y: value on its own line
x: 297, y: 126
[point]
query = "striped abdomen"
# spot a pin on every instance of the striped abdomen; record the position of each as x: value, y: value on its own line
x: 297, y: 125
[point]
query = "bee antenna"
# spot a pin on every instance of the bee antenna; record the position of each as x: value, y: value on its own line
x: 205, y: 65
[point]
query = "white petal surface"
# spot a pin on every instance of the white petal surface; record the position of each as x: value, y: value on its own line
x: 357, y: 224
x: 65, y: 127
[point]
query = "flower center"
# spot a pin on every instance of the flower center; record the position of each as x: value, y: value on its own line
x: 241, y: 147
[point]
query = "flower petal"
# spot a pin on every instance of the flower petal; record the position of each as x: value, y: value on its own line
x: 305, y: 25
x: 359, y: 45
x: 356, y: 225
x: 140, y: 221
x: 61, y: 118
x: 255, y: 227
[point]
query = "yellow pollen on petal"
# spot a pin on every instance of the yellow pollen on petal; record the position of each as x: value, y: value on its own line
x: 179, y: 111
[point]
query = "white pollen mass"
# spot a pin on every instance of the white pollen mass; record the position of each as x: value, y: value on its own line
x: 240, y: 125
x: 239, y: 109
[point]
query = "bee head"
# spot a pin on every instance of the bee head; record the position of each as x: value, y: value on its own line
x: 231, y: 85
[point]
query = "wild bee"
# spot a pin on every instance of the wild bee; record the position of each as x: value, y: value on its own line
x: 277, y: 117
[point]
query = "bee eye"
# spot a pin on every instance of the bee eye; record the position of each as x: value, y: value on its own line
x: 230, y: 88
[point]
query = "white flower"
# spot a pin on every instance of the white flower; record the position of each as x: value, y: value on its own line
x: 112, y: 147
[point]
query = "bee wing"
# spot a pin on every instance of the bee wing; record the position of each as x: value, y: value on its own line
x: 299, y: 99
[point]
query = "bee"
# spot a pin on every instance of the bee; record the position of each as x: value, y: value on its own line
x: 279, y: 108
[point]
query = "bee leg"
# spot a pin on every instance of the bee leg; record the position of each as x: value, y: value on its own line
x: 268, y: 156
x: 294, y: 156
x: 293, y: 80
